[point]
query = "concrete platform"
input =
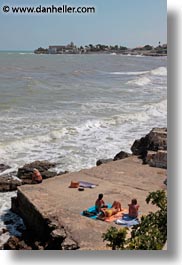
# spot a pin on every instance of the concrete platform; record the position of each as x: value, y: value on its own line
x: 53, y: 206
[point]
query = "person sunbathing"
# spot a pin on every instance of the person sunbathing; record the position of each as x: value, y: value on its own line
x: 36, y: 177
x: 108, y: 212
x: 99, y: 204
x: 117, y: 205
x: 133, y: 208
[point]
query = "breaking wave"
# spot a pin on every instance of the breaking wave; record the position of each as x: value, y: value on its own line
x: 148, y: 77
x: 140, y: 81
x: 128, y: 73
x: 160, y: 71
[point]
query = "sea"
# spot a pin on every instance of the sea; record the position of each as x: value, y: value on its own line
x: 73, y: 110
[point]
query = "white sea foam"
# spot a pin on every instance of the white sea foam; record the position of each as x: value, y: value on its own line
x: 148, y: 77
x: 129, y: 73
x: 101, y: 107
x: 57, y: 134
x: 158, y: 109
x: 7, y: 171
x: 8, y: 219
x: 26, y: 53
x: 141, y: 81
x: 47, y: 145
x: 160, y: 71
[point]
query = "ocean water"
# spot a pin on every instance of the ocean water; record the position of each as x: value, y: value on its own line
x: 76, y: 109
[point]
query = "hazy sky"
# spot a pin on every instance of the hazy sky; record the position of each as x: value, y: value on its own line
x: 129, y: 23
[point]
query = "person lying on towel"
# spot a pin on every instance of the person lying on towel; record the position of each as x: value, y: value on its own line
x: 108, y: 212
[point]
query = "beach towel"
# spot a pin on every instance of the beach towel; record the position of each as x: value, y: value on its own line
x: 125, y: 220
x: 116, y: 216
x: 85, y: 184
x: 91, y: 212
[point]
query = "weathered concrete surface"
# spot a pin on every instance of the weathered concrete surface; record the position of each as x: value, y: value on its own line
x: 52, y: 203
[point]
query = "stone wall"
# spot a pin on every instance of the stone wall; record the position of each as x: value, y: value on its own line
x: 31, y: 216
x: 46, y: 231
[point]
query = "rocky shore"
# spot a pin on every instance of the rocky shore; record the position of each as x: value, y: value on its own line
x: 10, y: 181
x: 51, y: 210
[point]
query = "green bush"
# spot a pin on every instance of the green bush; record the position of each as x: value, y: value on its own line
x: 115, y: 237
x: 149, y: 234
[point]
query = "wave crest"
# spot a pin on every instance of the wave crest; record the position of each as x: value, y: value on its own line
x: 141, y: 81
x: 160, y: 71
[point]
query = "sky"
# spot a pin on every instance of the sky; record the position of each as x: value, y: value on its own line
x: 129, y: 23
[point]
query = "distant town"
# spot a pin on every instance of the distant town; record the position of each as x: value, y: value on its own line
x: 147, y: 50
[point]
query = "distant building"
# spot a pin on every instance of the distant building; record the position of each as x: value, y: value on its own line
x: 60, y: 49
x: 56, y: 49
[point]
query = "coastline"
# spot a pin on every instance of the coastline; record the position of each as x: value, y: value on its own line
x: 52, y: 210
x: 147, y: 50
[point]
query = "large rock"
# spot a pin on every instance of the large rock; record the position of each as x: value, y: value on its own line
x: 140, y: 146
x: 157, y: 159
x: 40, y: 165
x: 121, y: 155
x: 152, y: 148
x: 57, y: 239
x: 154, y: 141
x: 15, y: 243
x: 158, y: 139
x: 9, y: 183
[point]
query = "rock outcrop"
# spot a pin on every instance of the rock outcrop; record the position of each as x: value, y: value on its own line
x: 155, y: 140
x: 157, y: 159
x: 15, y: 243
x: 9, y: 183
x: 121, y: 155
x: 25, y: 173
x: 152, y: 148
